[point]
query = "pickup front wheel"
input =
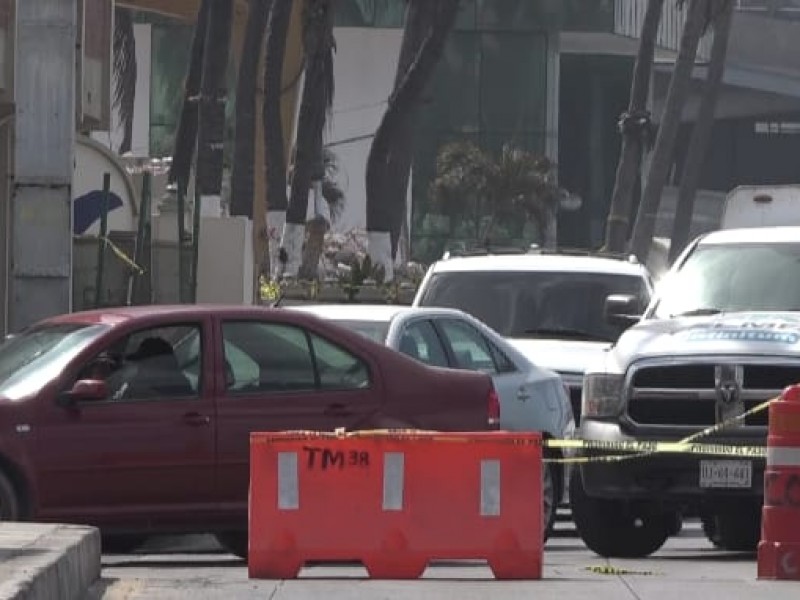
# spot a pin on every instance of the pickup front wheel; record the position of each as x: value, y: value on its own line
x: 612, y: 528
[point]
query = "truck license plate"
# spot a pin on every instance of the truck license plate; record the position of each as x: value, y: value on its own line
x: 726, y: 473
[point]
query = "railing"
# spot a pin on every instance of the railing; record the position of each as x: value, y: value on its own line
x: 629, y: 15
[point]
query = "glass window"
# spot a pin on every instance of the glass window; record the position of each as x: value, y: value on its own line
x: 504, y: 364
x: 420, y: 341
x: 33, y: 358
x: 729, y: 278
x: 545, y: 304
x: 272, y: 357
x: 337, y: 368
x: 267, y: 357
x: 469, y: 347
x: 151, y: 364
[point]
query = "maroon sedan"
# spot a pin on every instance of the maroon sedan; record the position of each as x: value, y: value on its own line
x: 137, y: 420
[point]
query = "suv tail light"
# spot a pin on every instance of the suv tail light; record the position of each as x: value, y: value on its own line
x: 493, y: 409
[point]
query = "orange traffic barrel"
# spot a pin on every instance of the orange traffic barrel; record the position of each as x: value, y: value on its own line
x: 779, y: 548
x: 395, y: 501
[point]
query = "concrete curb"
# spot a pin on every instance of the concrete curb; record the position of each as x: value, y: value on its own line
x: 47, y: 562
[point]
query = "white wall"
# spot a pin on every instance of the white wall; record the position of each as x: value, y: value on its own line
x: 91, y: 163
x: 364, y: 70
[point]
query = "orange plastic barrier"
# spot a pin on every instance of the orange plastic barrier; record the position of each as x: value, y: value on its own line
x: 395, y: 501
x: 779, y: 548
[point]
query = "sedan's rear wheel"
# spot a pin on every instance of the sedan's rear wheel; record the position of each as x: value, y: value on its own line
x: 235, y: 542
x: 550, y: 497
x: 10, y: 509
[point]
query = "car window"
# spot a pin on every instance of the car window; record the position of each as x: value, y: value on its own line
x: 503, y: 363
x: 273, y: 357
x: 545, y: 304
x: 469, y: 347
x: 338, y: 369
x: 151, y: 364
x: 420, y: 341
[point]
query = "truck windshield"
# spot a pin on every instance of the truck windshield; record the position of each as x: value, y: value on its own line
x: 536, y: 304
x: 719, y: 278
x: 31, y: 359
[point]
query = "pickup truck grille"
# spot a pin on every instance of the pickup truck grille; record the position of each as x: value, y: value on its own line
x: 684, y: 394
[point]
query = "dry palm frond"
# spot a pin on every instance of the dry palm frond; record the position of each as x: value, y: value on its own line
x: 124, y: 73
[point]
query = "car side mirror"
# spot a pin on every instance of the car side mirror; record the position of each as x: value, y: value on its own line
x: 622, y: 309
x: 84, y: 390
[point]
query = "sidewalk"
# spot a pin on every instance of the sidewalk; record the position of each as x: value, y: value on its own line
x: 47, y: 562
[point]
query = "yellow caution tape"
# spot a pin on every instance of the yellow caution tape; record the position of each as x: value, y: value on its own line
x: 609, y: 570
x: 684, y: 446
x: 122, y: 256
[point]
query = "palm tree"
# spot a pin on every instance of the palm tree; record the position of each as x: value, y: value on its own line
x: 635, y: 128
x: 316, y: 102
x: 385, y: 208
x: 701, y: 135
x: 213, y: 96
x: 243, y: 175
x: 316, y: 228
x: 277, y: 29
x: 124, y: 74
x: 668, y: 129
x: 516, y: 184
x: 186, y: 136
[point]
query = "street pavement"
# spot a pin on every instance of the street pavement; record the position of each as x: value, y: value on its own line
x: 688, y: 567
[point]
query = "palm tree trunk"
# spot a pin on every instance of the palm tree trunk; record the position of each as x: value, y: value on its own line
x: 124, y: 74
x: 214, y: 93
x: 668, y: 130
x: 419, y: 16
x: 634, y: 126
x: 186, y: 136
x: 316, y: 99
x: 277, y: 29
x: 701, y: 135
x: 381, y: 214
x: 243, y: 170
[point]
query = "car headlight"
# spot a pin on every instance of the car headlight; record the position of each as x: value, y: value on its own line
x: 602, y: 395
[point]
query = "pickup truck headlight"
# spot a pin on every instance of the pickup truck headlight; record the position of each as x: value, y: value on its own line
x: 602, y: 395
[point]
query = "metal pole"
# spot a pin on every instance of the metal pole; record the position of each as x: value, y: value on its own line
x: 195, y: 239
x: 101, y: 242
x: 141, y: 235
x: 44, y: 142
x: 181, y: 237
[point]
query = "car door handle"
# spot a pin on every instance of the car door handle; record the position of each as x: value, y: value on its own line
x: 196, y: 419
x: 337, y: 410
x: 522, y: 395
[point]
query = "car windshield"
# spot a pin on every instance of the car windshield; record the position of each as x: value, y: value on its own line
x: 374, y: 330
x: 720, y: 278
x: 33, y: 358
x: 536, y: 304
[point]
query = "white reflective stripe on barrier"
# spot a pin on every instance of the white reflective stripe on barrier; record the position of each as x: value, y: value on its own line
x: 490, y: 488
x: 288, y: 494
x: 393, y: 482
x: 783, y: 457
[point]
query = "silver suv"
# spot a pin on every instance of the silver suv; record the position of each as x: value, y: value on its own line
x: 549, y: 305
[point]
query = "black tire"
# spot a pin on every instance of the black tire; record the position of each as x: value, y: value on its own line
x: 120, y: 543
x: 234, y: 542
x: 612, y: 529
x: 736, y: 528
x: 10, y: 506
x: 551, y: 493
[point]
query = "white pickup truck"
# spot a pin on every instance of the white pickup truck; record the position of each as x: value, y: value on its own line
x: 721, y: 335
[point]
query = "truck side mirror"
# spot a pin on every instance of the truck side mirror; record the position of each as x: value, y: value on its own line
x: 622, y: 309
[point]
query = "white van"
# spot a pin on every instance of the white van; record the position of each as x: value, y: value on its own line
x: 762, y: 206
